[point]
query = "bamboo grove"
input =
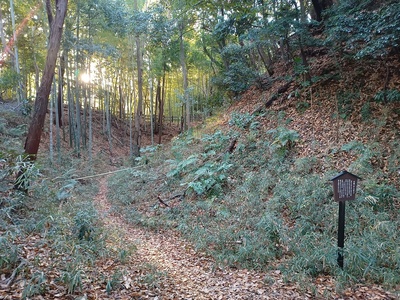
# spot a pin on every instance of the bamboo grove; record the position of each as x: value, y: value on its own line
x: 148, y: 62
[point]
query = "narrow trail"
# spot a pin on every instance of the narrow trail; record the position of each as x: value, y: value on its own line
x: 177, y: 271
x: 185, y: 273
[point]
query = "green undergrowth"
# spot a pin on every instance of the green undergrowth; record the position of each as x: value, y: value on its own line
x: 244, y: 196
x: 52, y: 235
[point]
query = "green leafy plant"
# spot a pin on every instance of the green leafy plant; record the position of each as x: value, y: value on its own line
x: 72, y: 279
x: 301, y: 70
x: 345, y: 102
x: 366, y: 111
x: 9, y: 256
x: 114, y: 282
x: 305, y: 165
x: 387, y: 96
x: 364, y: 29
x: 216, y: 141
x: 84, y: 225
x: 27, y: 172
x: 366, y: 154
x: 183, y: 166
x: 240, y: 120
x: 210, y: 177
x: 383, y: 194
x: 13, y: 164
x: 35, y: 286
x: 26, y: 107
x: 302, y: 106
x: 264, y: 208
x: 152, y: 275
x: 354, y: 145
x: 18, y: 131
x: 372, y: 244
x: 8, y: 80
x: 204, y: 173
x: 65, y: 191
x: 239, y: 75
x: 284, y: 140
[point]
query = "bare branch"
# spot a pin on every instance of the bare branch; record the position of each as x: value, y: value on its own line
x: 49, y: 12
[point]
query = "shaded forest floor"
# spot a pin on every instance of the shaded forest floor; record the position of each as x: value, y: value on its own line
x: 181, y: 272
x: 74, y: 251
x: 151, y: 264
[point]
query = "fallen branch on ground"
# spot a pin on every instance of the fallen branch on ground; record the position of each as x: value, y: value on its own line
x: 282, y: 89
x: 159, y: 199
x: 232, y: 146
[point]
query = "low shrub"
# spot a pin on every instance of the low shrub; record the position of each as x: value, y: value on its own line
x: 269, y: 205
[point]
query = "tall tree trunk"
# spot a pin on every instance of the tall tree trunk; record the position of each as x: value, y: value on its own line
x: 78, y: 121
x: 132, y: 104
x: 306, y: 74
x: 157, y: 108
x: 16, y: 59
x: 37, y: 72
x: 162, y: 101
x: 151, y: 109
x: 303, y: 16
x: 265, y: 59
x: 3, y: 39
x: 90, y: 147
x: 138, y: 114
x: 130, y: 110
x: 170, y: 112
x: 182, y: 57
x: 158, y: 100
x: 108, y: 119
x: 319, y: 7
x: 60, y: 90
x: 121, y: 100
x: 58, y: 139
x: 84, y: 113
x: 71, y: 111
x: 51, y: 146
x: 78, y: 127
x: 42, y: 97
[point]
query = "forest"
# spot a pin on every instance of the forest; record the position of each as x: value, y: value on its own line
x: 189, y: 149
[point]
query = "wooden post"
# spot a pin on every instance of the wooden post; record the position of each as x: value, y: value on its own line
x: 344, y: 188
x: 341, y: 233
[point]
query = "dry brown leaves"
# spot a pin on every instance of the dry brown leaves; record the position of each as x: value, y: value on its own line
x: 319, y: 127
x: 164, y: 266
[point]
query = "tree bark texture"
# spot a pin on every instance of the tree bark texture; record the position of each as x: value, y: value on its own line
x: 42, y: 97
x: 60, y: 91
x: 182, y: 57
x: 319, y: 6
x: 137, y: 134
x: 162, y: 101
x: 3, y: 39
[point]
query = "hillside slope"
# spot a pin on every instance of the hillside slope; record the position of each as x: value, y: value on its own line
x: 345, y: 104
x: 251, y: 188
x: 243, y: 202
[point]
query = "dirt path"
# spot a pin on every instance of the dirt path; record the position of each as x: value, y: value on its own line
x: 183, y: 273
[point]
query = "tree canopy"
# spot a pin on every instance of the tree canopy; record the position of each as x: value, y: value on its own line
x: 222, y: 47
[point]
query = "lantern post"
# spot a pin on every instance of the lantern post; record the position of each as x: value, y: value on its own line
x: 344, y: 189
